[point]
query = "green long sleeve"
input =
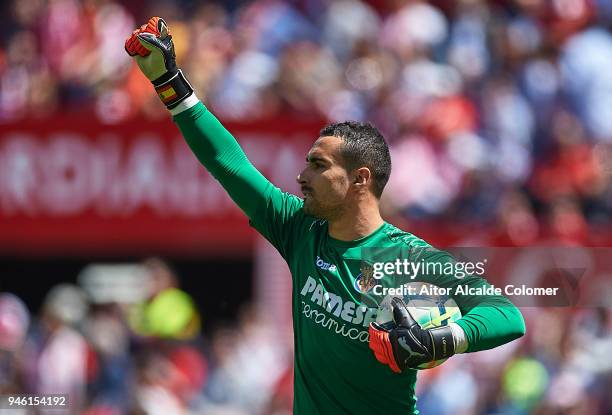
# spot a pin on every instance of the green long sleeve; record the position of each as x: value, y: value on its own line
x: 493, y: 322
x: 221, y: 154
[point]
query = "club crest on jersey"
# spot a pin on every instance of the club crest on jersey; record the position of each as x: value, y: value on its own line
x: 365, y: 281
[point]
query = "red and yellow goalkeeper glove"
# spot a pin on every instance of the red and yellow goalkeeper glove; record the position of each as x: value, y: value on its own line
x: 151, y: 45
x: 407, y: 345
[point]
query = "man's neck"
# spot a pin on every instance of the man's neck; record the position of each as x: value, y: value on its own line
x: 356, y: 223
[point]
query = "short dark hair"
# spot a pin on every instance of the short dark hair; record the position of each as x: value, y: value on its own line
x: 364, y: 146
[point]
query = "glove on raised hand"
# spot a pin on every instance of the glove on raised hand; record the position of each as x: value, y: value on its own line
x: 151, y: 45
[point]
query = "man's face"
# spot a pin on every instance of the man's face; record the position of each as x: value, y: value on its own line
x: 324, y: 181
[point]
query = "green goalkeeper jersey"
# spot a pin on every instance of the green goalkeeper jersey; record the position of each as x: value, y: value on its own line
x: 335, y: 371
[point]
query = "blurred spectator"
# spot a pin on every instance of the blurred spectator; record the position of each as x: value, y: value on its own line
x: 250, y: 355
x: 14, y: 324
x: 55, y: 356
x: 169, y: 312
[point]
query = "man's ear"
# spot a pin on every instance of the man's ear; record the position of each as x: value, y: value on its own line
x: 362, y: 177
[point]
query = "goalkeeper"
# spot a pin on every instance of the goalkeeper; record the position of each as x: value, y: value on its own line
x: 345, y: 363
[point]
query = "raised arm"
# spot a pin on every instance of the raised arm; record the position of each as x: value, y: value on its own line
x: 277, y: 215
x: 219, y: 152
x: 151, y: 45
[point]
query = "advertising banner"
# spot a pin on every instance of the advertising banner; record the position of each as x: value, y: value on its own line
x: 73, y: 185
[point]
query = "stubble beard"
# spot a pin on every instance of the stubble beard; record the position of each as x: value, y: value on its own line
x: 314, y: 208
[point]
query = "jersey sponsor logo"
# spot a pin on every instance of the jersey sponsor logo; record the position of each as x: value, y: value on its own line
x: 331, y: 305
x: 326, y: 321
x: 326, y: 266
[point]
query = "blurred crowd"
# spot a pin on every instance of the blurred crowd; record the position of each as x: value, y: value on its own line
x: 118, y: 350
x: 498, y: 112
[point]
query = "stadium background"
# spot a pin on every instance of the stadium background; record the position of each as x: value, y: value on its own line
x: 499, y: 116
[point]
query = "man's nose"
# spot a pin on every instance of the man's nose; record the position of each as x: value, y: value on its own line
x: 300, y: 178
